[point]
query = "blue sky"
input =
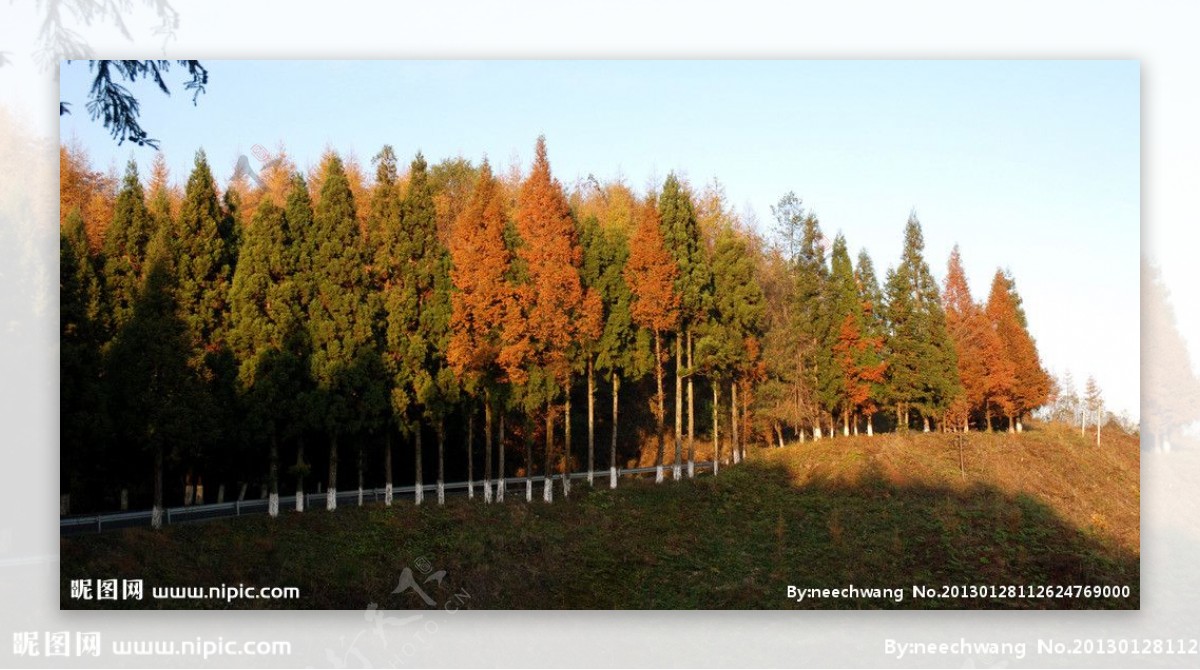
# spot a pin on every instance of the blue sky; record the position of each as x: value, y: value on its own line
x: 1028, y: 165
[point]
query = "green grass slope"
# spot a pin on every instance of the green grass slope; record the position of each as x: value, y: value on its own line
x: 1044, y: 508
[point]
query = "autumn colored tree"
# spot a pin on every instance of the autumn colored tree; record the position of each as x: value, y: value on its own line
x: 481, y: 299
x: 651, y: 275
x: 541, y: 329
x: 1029, y: 385
x: 984, y: 371
x: 89, y: 191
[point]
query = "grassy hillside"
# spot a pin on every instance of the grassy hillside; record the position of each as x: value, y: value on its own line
x: 1042, y: 508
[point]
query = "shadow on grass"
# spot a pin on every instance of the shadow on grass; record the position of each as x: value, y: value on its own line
x: 734, y: 541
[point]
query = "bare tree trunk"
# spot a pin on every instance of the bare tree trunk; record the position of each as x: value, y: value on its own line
x: 925, y: 420
x: 440, y: 431
x: 331, y: 491
x: 870, y: 425
x: 677, y: 468
x: 299, y: 474
x: 591, y: 393
x: 419, y: 488
x: 272, y: 479
x: 733, y: 418
x: 745, y: 421
x: 547, y: 473
x: 1011, y: 426
x: 470, y: 451
x: 691, y: 411
x: 387, y: 465
x: 716, y: 432
x: 566, y: 457
x: 658, y: 459
x: 529, y: 464
x: 612, y: 456
x: 360, y: 473
x: 156, y: 513
x: 502, y: 485
x: 487, y: 446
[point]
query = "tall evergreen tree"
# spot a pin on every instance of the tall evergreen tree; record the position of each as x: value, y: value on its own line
x: 923, y: 367
x: 340, y: 311
x: 81, y: 337
x: 267, y: 337
x: 159, y: 402
x: 727, y: 341
x: 693, y: 285
x: 125, y: 243
x: 874, y: 333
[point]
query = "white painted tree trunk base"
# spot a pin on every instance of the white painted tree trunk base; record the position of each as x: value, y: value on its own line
x: 500, y: 491
x: 387, y: 495
x: 548, y: 489
x: 816, y: 433
x: 591, y: 478
x: 299, y: 501
x: 566, y: 486
x: 612, y: 478
x: 676, y: 472
x: 528, y: 490
x: 487, y: 492
x: 331, y: 499
x: 273, y: 505
x: 691, y: 469
x: 156, y: 517
x: 360, y: 496
x: 471, y: 490
x: 441, y: 492
x: 658, y: 474
x: 1020, y: 427
x: 870, y: 429
x: 419, y: 494
x: 716, y: 466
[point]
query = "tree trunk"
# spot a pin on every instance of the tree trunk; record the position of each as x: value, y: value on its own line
x: 487, y: 446
x: 1011, y: 426
x: 1020, y: 425
x: 547, y: 472
x: 440, y: 432
x: 299, y: 474
x: 419, y: 479
x: 677, y: 468
x: 591, y: 392
x: 716, y: 431
x: 470, y: 452
x: 501, y: 485
x: 691, y: 409
x: 360, y: 474
x: 566, y: 458
x: 870, y: 425
x: 1097, y: 431
x: 612, y: 455
x: 745, y: 421
x: 272, y: 479
x: 529, y: 463
x: 662, y: 413
x: 733, y: 418
x: 156, y: 514
x: 387, y: 465
x: 331, y: 490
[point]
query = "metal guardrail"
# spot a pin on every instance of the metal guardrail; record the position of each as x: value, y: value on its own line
x: 96, y: 523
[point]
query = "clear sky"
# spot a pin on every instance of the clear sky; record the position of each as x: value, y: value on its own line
x: 1028, y: 165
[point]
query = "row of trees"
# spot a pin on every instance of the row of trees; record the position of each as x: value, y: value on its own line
x: 207, y: 333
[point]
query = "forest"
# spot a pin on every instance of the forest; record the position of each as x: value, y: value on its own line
x: 456, y: 322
